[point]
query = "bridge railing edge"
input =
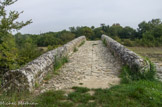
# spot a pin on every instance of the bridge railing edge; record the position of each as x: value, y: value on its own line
x: 33, y: 72
x: 126, y: 56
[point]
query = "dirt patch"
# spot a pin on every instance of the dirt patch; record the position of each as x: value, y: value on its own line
x: 94, y: 82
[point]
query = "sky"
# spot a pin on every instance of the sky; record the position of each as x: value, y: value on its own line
x: 57, y: 15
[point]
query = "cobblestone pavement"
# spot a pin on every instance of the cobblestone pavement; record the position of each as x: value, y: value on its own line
x: 92, y: 66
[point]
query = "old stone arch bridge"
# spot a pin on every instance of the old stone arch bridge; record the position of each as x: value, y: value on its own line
x: 95, y: 64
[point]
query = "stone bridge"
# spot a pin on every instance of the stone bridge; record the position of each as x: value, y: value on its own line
x: 95, y: 64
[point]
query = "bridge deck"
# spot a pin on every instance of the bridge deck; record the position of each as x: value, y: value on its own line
x: 92, y: 66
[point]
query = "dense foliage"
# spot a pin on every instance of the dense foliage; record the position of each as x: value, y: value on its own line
x: 147, y: 33
x: 8, y: 50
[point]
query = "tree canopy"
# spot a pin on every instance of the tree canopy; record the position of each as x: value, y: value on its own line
x: 8, y: 22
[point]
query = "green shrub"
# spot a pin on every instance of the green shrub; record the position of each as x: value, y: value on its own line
x: 8, y: 55
x: 50, y: 47
x: 27, y: 53
x: 128, y: 42
x: 117, y: 39
x: 128, y: 75
x: 59, y: 62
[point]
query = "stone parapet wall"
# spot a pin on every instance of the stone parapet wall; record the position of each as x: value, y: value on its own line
x: 126, y: 56
x: 32, y: 73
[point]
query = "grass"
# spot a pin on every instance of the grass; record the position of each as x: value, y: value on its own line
x: 48, y: 76
x: 82, y: 43
x: 81, y: 89
x: 136, y: 90
x: 37, y: 84
x: 79, y: 98
x: 57, y: 65
x: 140, y: 93
x: 136, y: 94
x: 59, y: 62
x: 75, y: 49
x: 52, y: 99
x: 13, y: 99
x: 127, y: 75
x: 104, y: 42
x: 153, y: 53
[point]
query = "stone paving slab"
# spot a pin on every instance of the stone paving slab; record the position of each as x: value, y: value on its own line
x: 92, y: 66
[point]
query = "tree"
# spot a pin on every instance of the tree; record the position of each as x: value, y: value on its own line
x: 48, y: 39
x: 148, y: 39
x: 157, y: 31
x: 72, y: 29
x: 127, y: 33
x: 148, y: 26
x: 92, y: 27
x: 115, y: 29
x: 67, y: 36
x: 86, y: 31
x: 97, y: 33
x: 27, y: 52
x: 8, y: 23
x: 8, y: 54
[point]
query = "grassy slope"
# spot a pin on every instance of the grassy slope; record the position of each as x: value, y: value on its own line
x: 136, y: 94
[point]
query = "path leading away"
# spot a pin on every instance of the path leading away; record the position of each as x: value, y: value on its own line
x: 92, y: 66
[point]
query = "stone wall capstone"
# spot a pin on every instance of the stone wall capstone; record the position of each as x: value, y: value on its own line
x: 32, y: 73
x: 126, y: 56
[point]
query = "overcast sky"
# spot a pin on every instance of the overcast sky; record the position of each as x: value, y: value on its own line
x: 56, y: 15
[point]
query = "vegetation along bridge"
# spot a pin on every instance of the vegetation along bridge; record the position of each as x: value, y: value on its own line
x: 92, y: 64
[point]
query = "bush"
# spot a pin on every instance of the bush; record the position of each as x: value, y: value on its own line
x: 128, y: 42
x: 27, y: 53
x: 117, y: 39
x: 8, y: 54
x: 50, y: 47
x: 128, y: 75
